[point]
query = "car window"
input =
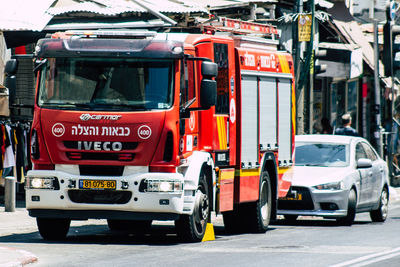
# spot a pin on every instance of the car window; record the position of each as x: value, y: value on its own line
x: 321, y: 154
x: 370, y: 153
x: 360, y: 152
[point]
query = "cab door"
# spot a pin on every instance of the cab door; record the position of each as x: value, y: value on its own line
x: 377, y: 173
x: 365, y: 176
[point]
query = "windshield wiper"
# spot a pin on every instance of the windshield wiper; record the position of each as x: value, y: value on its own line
x: 119, y: 105
x: 310, y: 164
x: 67, y: 105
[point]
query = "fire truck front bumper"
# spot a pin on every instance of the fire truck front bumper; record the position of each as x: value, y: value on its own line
x: 140, y: 196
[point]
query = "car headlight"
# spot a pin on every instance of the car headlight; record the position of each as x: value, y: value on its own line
x: 330, y: 186
x: 42, y: 183
x: 167, y: 186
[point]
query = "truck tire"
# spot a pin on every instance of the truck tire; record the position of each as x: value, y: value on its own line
x: 53, y: 228
x: 257, y: 215
x: 191, y: 228
x: 139, y: 227
x: 232, y: 221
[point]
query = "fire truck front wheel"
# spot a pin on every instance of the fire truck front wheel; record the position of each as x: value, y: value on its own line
x: 53, y: 228
x: 191, y: 228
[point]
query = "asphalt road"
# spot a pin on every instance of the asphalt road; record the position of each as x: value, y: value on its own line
x: 307, y: 242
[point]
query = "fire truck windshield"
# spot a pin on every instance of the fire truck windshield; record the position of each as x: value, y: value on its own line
x: 106, y: 84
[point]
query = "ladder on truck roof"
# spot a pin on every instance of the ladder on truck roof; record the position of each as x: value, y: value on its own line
x: 241, y: 27
x: 246, y: 34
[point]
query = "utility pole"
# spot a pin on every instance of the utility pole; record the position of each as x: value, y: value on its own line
x: 297, y: 51
x: 312, y: 72
x: 377, y: 132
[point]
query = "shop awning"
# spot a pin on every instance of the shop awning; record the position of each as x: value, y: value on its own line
x: 351, y: 32
x: 23, y: 20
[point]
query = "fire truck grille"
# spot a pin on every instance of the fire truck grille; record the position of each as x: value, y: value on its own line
x: 99, y: 196
x: 101, y: 156
x: 100, y: 170
x: 305, y: 203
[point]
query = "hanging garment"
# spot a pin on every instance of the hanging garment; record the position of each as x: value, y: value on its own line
x: 9, y: 159
x: 2, y: 146
x: 20, y: 161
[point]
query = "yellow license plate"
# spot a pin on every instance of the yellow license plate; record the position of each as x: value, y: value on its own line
x: 97, y: 184
x: 297, y: 197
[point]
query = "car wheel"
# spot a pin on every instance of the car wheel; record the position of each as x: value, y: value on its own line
x: 53, y: 228
x: 290, y: 218
x: 191, y: 228
x: 351, y: 210
x: 381, y: 213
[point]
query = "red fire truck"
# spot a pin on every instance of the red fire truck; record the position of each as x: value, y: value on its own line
x: 134, y: 126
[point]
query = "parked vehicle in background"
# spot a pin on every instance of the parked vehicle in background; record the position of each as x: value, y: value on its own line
x: 336, y: 177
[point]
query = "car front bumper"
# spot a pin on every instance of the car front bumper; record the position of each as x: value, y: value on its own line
x: 313, y: 202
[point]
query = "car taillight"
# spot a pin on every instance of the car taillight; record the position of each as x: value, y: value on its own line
x: 35, y: 145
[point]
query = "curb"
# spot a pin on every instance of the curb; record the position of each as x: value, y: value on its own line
x: 394, y: 194
x: 21, y: 257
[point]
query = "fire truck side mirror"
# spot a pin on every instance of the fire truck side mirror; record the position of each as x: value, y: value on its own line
x: 208, y: 93
x: 209, y: 69
x: 10, y: 80
x: 208, y: 88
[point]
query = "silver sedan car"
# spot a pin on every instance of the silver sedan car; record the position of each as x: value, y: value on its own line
x: 336, y: 177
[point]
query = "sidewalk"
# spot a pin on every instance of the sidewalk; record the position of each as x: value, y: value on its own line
x: 9, y: 256
x: 12, y: 257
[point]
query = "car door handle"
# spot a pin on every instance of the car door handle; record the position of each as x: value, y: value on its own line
x: 370, y: 173
x: 380, y: 169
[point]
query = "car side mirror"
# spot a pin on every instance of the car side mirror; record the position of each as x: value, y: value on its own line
x: 364, y: 163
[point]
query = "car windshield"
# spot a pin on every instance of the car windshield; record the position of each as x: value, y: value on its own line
x: 106, y: 84
x: 321, y: 154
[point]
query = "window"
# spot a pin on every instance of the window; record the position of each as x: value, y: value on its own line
x: 321, y: 154
x: 221, y: 58
x: 106, y: 84
x: 370, y: 153
x: 188, y: 92
x: 360, y: 153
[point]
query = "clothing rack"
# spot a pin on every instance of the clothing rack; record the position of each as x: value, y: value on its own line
x: 14, y: 148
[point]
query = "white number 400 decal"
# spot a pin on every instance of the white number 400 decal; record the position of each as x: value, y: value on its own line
x: 144, y: 132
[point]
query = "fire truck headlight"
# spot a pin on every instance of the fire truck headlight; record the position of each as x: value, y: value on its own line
x: 42, y: 183
x: 177, y: 50
x: 167, y: 186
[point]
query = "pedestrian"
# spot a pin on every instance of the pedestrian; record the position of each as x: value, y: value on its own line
x: 346, y: 128
x: 326, y: 126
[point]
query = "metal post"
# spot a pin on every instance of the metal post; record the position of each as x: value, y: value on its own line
x: 9, y: 194
x: 297, y: 54
x: 312, y: 73
x: 377, y: 132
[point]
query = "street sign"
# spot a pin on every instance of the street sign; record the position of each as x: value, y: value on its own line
x: 391, y: 10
